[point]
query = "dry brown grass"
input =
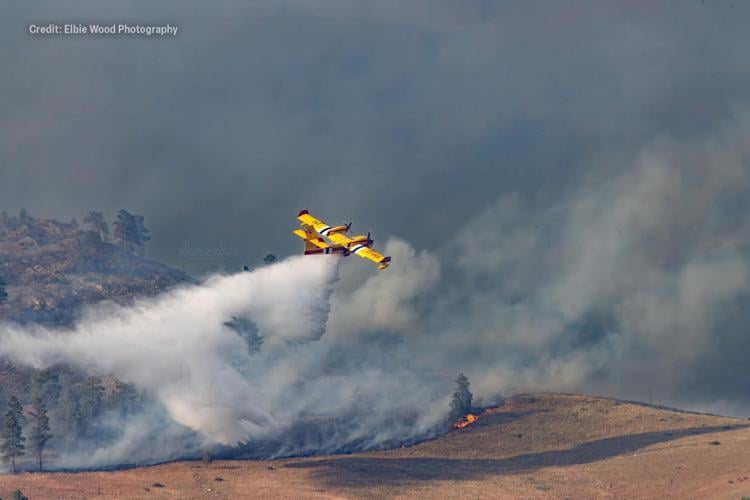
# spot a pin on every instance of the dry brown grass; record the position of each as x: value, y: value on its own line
x: 545, y: 446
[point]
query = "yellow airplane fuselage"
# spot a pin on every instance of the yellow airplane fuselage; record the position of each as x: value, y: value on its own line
x: 321, y: 238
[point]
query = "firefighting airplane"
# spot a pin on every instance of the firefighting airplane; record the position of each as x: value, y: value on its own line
x: 314, y: 231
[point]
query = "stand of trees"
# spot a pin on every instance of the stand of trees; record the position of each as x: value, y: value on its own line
x: 11, y: 436
x: 96, y: 221
x: 61, y: 409
x: 131, y: 233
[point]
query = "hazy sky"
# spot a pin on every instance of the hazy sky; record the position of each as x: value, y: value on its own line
x: 404, y: 117
x: 574, y: 172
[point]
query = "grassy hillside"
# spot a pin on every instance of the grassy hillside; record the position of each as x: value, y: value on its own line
x: 542, y: 446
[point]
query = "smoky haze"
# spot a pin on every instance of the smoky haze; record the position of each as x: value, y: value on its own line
x: 205, y: 390
x: 179, y: 348
x: 563, y: 186
x: 406, y: 119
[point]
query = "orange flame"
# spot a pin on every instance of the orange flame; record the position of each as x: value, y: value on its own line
x: 466, y: 421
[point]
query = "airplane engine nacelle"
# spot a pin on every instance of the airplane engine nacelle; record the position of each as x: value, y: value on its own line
x: 361, y: 239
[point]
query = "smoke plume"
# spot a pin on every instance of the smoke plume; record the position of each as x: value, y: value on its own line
x: 178, y: 348
x: 631, y: 284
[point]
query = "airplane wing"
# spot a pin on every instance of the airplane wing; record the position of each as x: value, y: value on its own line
x: 319, y: 226
x: 336, y: 237
x: 362, y: 250
x: 370, y: 254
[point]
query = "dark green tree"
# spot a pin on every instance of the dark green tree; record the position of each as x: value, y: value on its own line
x: 125, y: 233
x: 14, y: 405
x: 96, y: 221
x: 461, y: 402
x: 130, y: 232
x: 40, y: 430
x: 269, y: 259
x: 248, y: 331
x: 144, y: 235
x: 11, y: 435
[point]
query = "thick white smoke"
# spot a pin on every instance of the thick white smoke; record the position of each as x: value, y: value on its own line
x: 178, y: 348
x: 636, y: 282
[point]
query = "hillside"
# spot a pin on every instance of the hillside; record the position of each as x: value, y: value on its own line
x: 54, y: 268
x: 542, y: 446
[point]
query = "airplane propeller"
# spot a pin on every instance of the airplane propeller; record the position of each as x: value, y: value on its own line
x: 348, y: 226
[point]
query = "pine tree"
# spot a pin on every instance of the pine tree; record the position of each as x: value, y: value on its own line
x: 15, y: 405
x: 461, y: 402
x: 142, y: 234
x: 40, y: 430
x: 11, y: 445
x: 130, y: 232
x: 96, y: 221
x: 125, y: 230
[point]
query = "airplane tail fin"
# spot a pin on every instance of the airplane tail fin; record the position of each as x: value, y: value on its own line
x: 311, y: 249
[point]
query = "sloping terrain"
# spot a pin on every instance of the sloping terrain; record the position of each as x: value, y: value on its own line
x: 54, y: 268
x: 542, y: 446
